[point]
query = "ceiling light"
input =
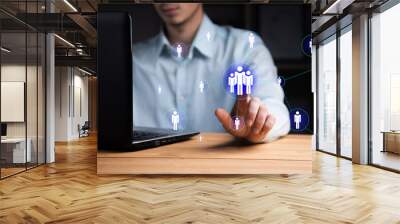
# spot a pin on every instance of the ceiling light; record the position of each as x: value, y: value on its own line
x: 70, y: 5
x: 5, y: 50
x: 84, y: 71
x: 337, y: 7
x: 65, y: 41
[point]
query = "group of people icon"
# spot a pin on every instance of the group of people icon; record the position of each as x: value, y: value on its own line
x: 240, y: 79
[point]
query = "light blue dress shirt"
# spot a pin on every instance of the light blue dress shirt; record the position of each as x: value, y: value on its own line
x: 164, y: 83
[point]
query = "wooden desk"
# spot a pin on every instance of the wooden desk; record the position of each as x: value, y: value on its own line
x: 14, y: 151
x: 391, y: 141
x: 212, y: 153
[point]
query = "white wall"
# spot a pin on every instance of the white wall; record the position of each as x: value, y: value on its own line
x: 33, y: 126
x: 17, y: 73
x: 71, y: 102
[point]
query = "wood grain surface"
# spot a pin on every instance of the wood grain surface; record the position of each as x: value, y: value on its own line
x: 213, y: 153
x: 70, y: 191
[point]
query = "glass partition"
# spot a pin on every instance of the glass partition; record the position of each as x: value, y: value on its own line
x: 385, y: 89
x: 346, y: 93
x: 327, y: 95
x: 14, y: 145
x: 22, y: 77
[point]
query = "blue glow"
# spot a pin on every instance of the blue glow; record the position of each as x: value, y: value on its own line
x: 281, y: 80
x: 299, y: 119
x: 247, y: 74
x: 307, y: 45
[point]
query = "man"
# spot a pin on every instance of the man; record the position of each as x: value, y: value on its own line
x: 208, y: 51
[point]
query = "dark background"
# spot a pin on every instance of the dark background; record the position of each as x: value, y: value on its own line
x: 282, y: 28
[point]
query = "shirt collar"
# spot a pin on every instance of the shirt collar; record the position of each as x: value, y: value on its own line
x: 200, y: 42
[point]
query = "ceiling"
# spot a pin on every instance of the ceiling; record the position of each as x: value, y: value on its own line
x: 75, y: 22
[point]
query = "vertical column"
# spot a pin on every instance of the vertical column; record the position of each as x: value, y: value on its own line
x: 50, y: 92
x: 360, y: 90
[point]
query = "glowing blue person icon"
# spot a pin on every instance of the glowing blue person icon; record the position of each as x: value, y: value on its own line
x: 297, y: 119
x: 248, y: 81
x: 201, y: 86
x: 237, y: 123
x: 239, y: 78
x: 232, y: 82
x: 179, y: 50
x: 175, y: 120
x: 251, y: 40
x: 208, y: 35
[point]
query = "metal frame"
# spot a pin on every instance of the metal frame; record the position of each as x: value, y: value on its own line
x: 338, y: 95
x: 339, y: 32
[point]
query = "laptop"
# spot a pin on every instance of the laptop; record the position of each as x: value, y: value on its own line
x: 115, y: 89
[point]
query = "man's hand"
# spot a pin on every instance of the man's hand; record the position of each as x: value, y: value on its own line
x: 258, y: 121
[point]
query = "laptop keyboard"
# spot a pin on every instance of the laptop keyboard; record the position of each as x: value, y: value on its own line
x: 143, y: 135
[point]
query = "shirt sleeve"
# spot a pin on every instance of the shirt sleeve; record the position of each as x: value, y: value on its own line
x: 267, y: 88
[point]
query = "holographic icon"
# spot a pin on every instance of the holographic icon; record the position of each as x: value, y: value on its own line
x: 239, y: 76
x: 232, y: 82
x: 251, y: 40
x: 159, y: 89
x: 248, y: 81
x: 237, y: 123
x: 179, y: 50
x: 240, y: 80
x: 175, y: 120
x: 297, y: 119
x: 201, y: 86
x: 208, y: 35
x: 281, y: 81
x: 307, y: 45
